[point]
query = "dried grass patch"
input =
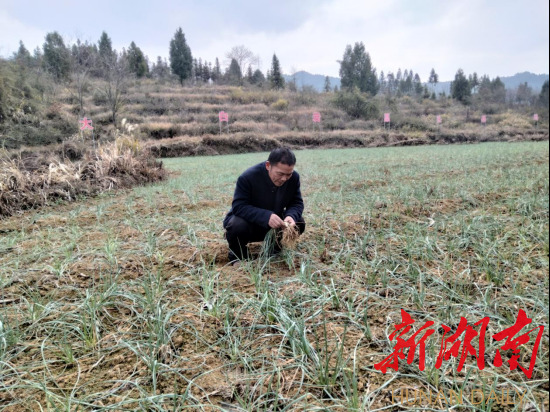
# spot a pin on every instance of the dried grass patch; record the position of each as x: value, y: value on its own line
x: 45, y: 177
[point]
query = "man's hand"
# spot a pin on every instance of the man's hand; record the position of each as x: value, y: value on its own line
x: 290, y: 221
x: 275, y: 221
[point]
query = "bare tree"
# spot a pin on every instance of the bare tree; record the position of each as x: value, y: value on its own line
x: 244, y: 57
x: 84, y: 57
x: 114, y: 88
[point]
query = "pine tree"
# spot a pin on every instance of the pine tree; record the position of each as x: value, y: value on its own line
x: 356, y: 70
x: 181, y: 60
x: 137, y: 63
x: 460, y: 87
x: 327, y: 87
x: 57, y: 59
x: 543, y: 96
x: 23, y: 56
x: 206, y: 72
x: 249, y: 74
x: 217, y: 71
x: 258, y: 78
x: 474, y: 81
x: 498, y: 90
x: 106, y: 55
x: 105, y: 50
x: 433, y: 79
x: 160, y: 69
x: 276, y: 77
x: 418, y: 89
x: 234, y: 75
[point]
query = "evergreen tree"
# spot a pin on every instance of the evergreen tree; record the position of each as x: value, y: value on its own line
x: 206, y: 72
x: 84, y: 55
x: 474, y: 81
x: 137, y: 64
x: 418, y: 89
x: 276, y: 78
x: 197, y: 69
x: 544, y: 96
x: 57, y: 59
x: 249, y: 74
x: 433, y: 79
x: 217, y: 71
x: 524, y: 94
x: 382, y: 82
x: 460, y: 88
x: 160, y: 69
x: 398, y: 76
x: 356, y: 70
x: 23, y: 56
x: 107, y: 56
x: 233, y: 74
x: 327, y: 87
x: 484, y: 91
x: 498, y: 90
x: 390, y: 87
x: 258, y: 78
x: 181, y: 60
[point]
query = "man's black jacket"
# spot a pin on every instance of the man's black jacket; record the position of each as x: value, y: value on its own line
x: 256, y: 197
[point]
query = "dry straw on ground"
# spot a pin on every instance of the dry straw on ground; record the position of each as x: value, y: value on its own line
x: 34, y: 180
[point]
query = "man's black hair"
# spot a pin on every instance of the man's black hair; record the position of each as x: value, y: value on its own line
x: 282, y: 155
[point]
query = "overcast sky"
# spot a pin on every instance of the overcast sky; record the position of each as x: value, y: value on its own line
x: 493, y: 37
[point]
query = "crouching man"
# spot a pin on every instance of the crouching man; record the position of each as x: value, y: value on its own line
x: 267, y: 196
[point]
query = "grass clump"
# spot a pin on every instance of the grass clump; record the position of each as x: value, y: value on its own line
x: 34, y: 180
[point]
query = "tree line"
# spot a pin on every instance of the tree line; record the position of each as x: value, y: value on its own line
x: 83, y: 59
x: 73, y: 66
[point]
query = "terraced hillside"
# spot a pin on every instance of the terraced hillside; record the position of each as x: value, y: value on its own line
x: 178, y: 121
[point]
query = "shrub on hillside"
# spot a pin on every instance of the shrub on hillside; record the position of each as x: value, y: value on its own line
x: 306, y: 96
x: 281, y: 104
x: 161, y: 130
x: 241, y: 96
x: 356, y: 105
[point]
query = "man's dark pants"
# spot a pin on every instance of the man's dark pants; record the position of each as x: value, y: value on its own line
x: 239, y: 233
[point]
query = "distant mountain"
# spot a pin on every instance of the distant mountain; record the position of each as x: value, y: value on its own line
x: 535, y: 81
x: 317, y: 81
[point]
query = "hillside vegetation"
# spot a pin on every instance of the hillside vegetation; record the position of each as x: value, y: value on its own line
x: 36, y: 110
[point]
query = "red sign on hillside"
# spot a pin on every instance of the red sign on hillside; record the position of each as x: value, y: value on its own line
x: 386, y: 117
x: 536, y: 117
x: 483, y: 119
x: 224, y: 117
x: 86, y: 124
x: 316, y: 117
